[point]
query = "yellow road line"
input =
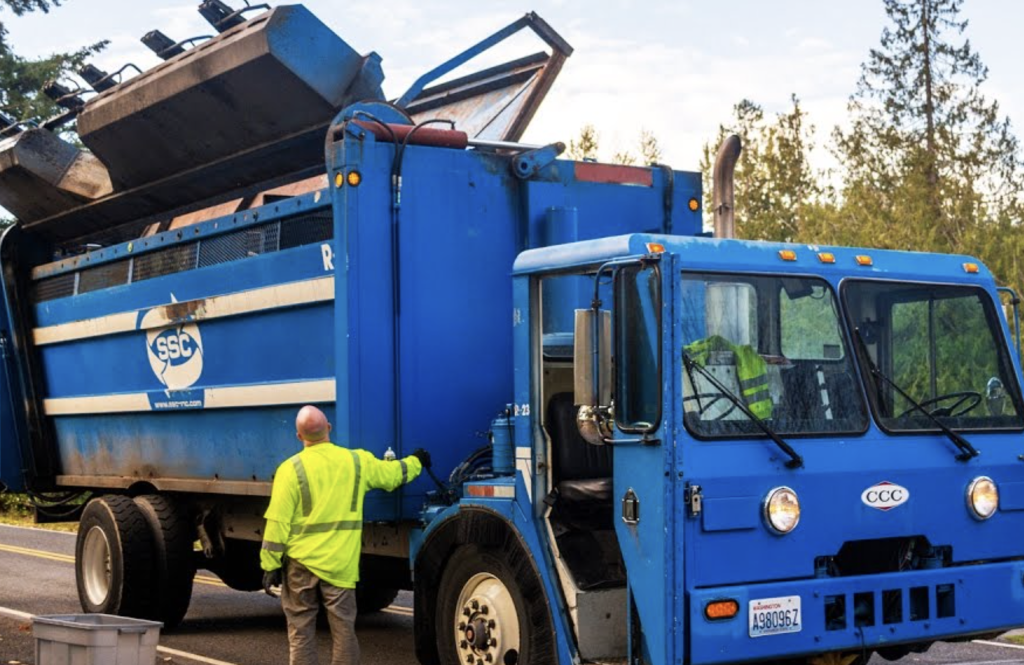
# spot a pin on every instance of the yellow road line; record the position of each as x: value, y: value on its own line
x: 53, y: 556
x: 66, y: 558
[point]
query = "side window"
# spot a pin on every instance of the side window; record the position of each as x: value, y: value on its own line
x: 808, y: 322
x: 638, y: 348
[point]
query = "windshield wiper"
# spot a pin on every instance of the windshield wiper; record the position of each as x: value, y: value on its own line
x: 795, y: 461
x: 967, y: 451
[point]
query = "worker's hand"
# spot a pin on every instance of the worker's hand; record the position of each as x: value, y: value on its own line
x: 271, y: 578
x: 423, y: 456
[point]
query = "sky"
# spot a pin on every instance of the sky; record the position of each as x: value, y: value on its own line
x: 673, y: 67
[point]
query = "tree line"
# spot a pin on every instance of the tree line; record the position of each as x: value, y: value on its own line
x: 926, y: 162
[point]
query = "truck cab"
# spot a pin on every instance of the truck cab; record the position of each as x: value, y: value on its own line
x: 731, y: 451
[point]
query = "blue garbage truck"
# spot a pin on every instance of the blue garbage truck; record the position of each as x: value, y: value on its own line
x: 651, y: 444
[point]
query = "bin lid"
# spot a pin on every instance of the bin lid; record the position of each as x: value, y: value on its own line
x: 97, y: 622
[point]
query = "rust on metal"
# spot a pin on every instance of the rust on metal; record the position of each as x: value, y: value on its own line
x: 614, y: 173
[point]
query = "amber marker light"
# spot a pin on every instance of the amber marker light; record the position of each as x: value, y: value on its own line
x: 971, y: 268
x: 694, y: 205
x: 721, y: 609
x: 354, y: 178
x: 655, y: 248
x: 826, y: 257
x: 864, y: 260
x: 787, y: 255
x: 339, y: 179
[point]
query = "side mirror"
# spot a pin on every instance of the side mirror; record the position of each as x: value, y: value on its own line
x: 592, y: 374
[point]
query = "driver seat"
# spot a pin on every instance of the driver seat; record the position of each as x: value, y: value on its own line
x: 582, y: 472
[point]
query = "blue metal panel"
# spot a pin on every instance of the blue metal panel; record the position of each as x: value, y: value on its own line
x: 212, y: 445
x: 11, y: 467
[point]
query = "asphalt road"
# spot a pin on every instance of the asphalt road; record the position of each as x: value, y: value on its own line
x: 225, y: 627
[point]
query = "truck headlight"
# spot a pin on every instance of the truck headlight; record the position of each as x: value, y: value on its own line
x: 983, y: 497
x: 782, y: 510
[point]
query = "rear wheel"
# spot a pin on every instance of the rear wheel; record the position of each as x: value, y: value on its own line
x: 484, y: 616
x: 114, y: 559
x: 173, y: 537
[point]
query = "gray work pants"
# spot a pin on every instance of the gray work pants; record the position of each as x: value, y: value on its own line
x: 301, y: 595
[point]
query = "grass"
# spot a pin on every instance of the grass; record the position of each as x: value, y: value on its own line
x: 17, y: 510
x: 1016, y: 639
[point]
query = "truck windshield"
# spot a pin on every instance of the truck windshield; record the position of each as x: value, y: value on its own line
x: 942, y: 347
x: 776, y: 342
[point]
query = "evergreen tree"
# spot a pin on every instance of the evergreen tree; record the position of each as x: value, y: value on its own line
x: 928, y: 163
x: 585, y: 145
x: 21, y: 79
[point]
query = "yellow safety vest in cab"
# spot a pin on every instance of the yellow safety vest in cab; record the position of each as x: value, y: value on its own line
x: 751, y: 371
x: 316, y: 508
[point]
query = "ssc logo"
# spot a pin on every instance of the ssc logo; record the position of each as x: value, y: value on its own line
x: 175, y: 352
x: 885, y: 496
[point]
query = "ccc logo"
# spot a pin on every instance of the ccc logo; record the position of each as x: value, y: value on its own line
x: 885, y: 495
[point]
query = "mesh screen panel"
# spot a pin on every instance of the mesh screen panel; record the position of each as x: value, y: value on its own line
x: 51, y: 288
x: 165, y: 262
x: 300, y: 230
x: 103, y: 276
x: 241, y: 244
x: 295, y: 231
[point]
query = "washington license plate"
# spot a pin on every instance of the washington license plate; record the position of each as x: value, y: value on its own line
x: 774, y: 616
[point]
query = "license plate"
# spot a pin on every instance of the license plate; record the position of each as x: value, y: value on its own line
x: 774, y: 616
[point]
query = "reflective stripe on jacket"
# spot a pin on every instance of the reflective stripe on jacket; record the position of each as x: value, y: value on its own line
x: 751, y: 371
x: 316, y: 508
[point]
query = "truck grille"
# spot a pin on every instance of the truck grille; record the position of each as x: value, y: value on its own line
x: 890, y: 606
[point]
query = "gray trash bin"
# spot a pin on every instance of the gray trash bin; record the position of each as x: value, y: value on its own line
x: 95, y: 639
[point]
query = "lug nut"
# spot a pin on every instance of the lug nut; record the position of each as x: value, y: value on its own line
x: 469, y: 659
x: 483, y: 609
x: 474, y: 604
x: 463, y: 644
x: 491, y: 624
x: 493, y: 642
x: 488, y: 657
x: 462, y: 625
x: 466, y: 612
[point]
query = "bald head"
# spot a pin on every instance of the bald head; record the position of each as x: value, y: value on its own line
x: 311, y: 426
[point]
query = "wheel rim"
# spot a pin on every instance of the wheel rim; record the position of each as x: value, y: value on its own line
x: 96, y: 568
x: 486, y: 623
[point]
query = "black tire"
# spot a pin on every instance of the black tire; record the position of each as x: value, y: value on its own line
x: 373, y: 597
x: 173, y: 536
x: 536, y: 644
x: 114, y: 559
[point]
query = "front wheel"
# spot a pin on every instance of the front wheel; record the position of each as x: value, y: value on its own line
x: 114, y: 559
x: 483, y: 615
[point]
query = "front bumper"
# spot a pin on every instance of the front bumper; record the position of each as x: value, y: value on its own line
x: 870, y: 611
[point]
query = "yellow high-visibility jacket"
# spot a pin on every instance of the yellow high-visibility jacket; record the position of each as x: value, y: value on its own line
x: 751, y: 371
x: 316, y: 508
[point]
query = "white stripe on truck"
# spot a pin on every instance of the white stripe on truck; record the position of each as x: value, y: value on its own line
x: 268, y: 394
x: 305, y: 292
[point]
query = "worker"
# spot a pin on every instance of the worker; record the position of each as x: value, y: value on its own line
x: 312, y: 541
x: 751, y: 371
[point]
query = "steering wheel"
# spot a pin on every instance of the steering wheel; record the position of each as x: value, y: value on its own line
x: 712, y: 398
x: 970, y: 397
